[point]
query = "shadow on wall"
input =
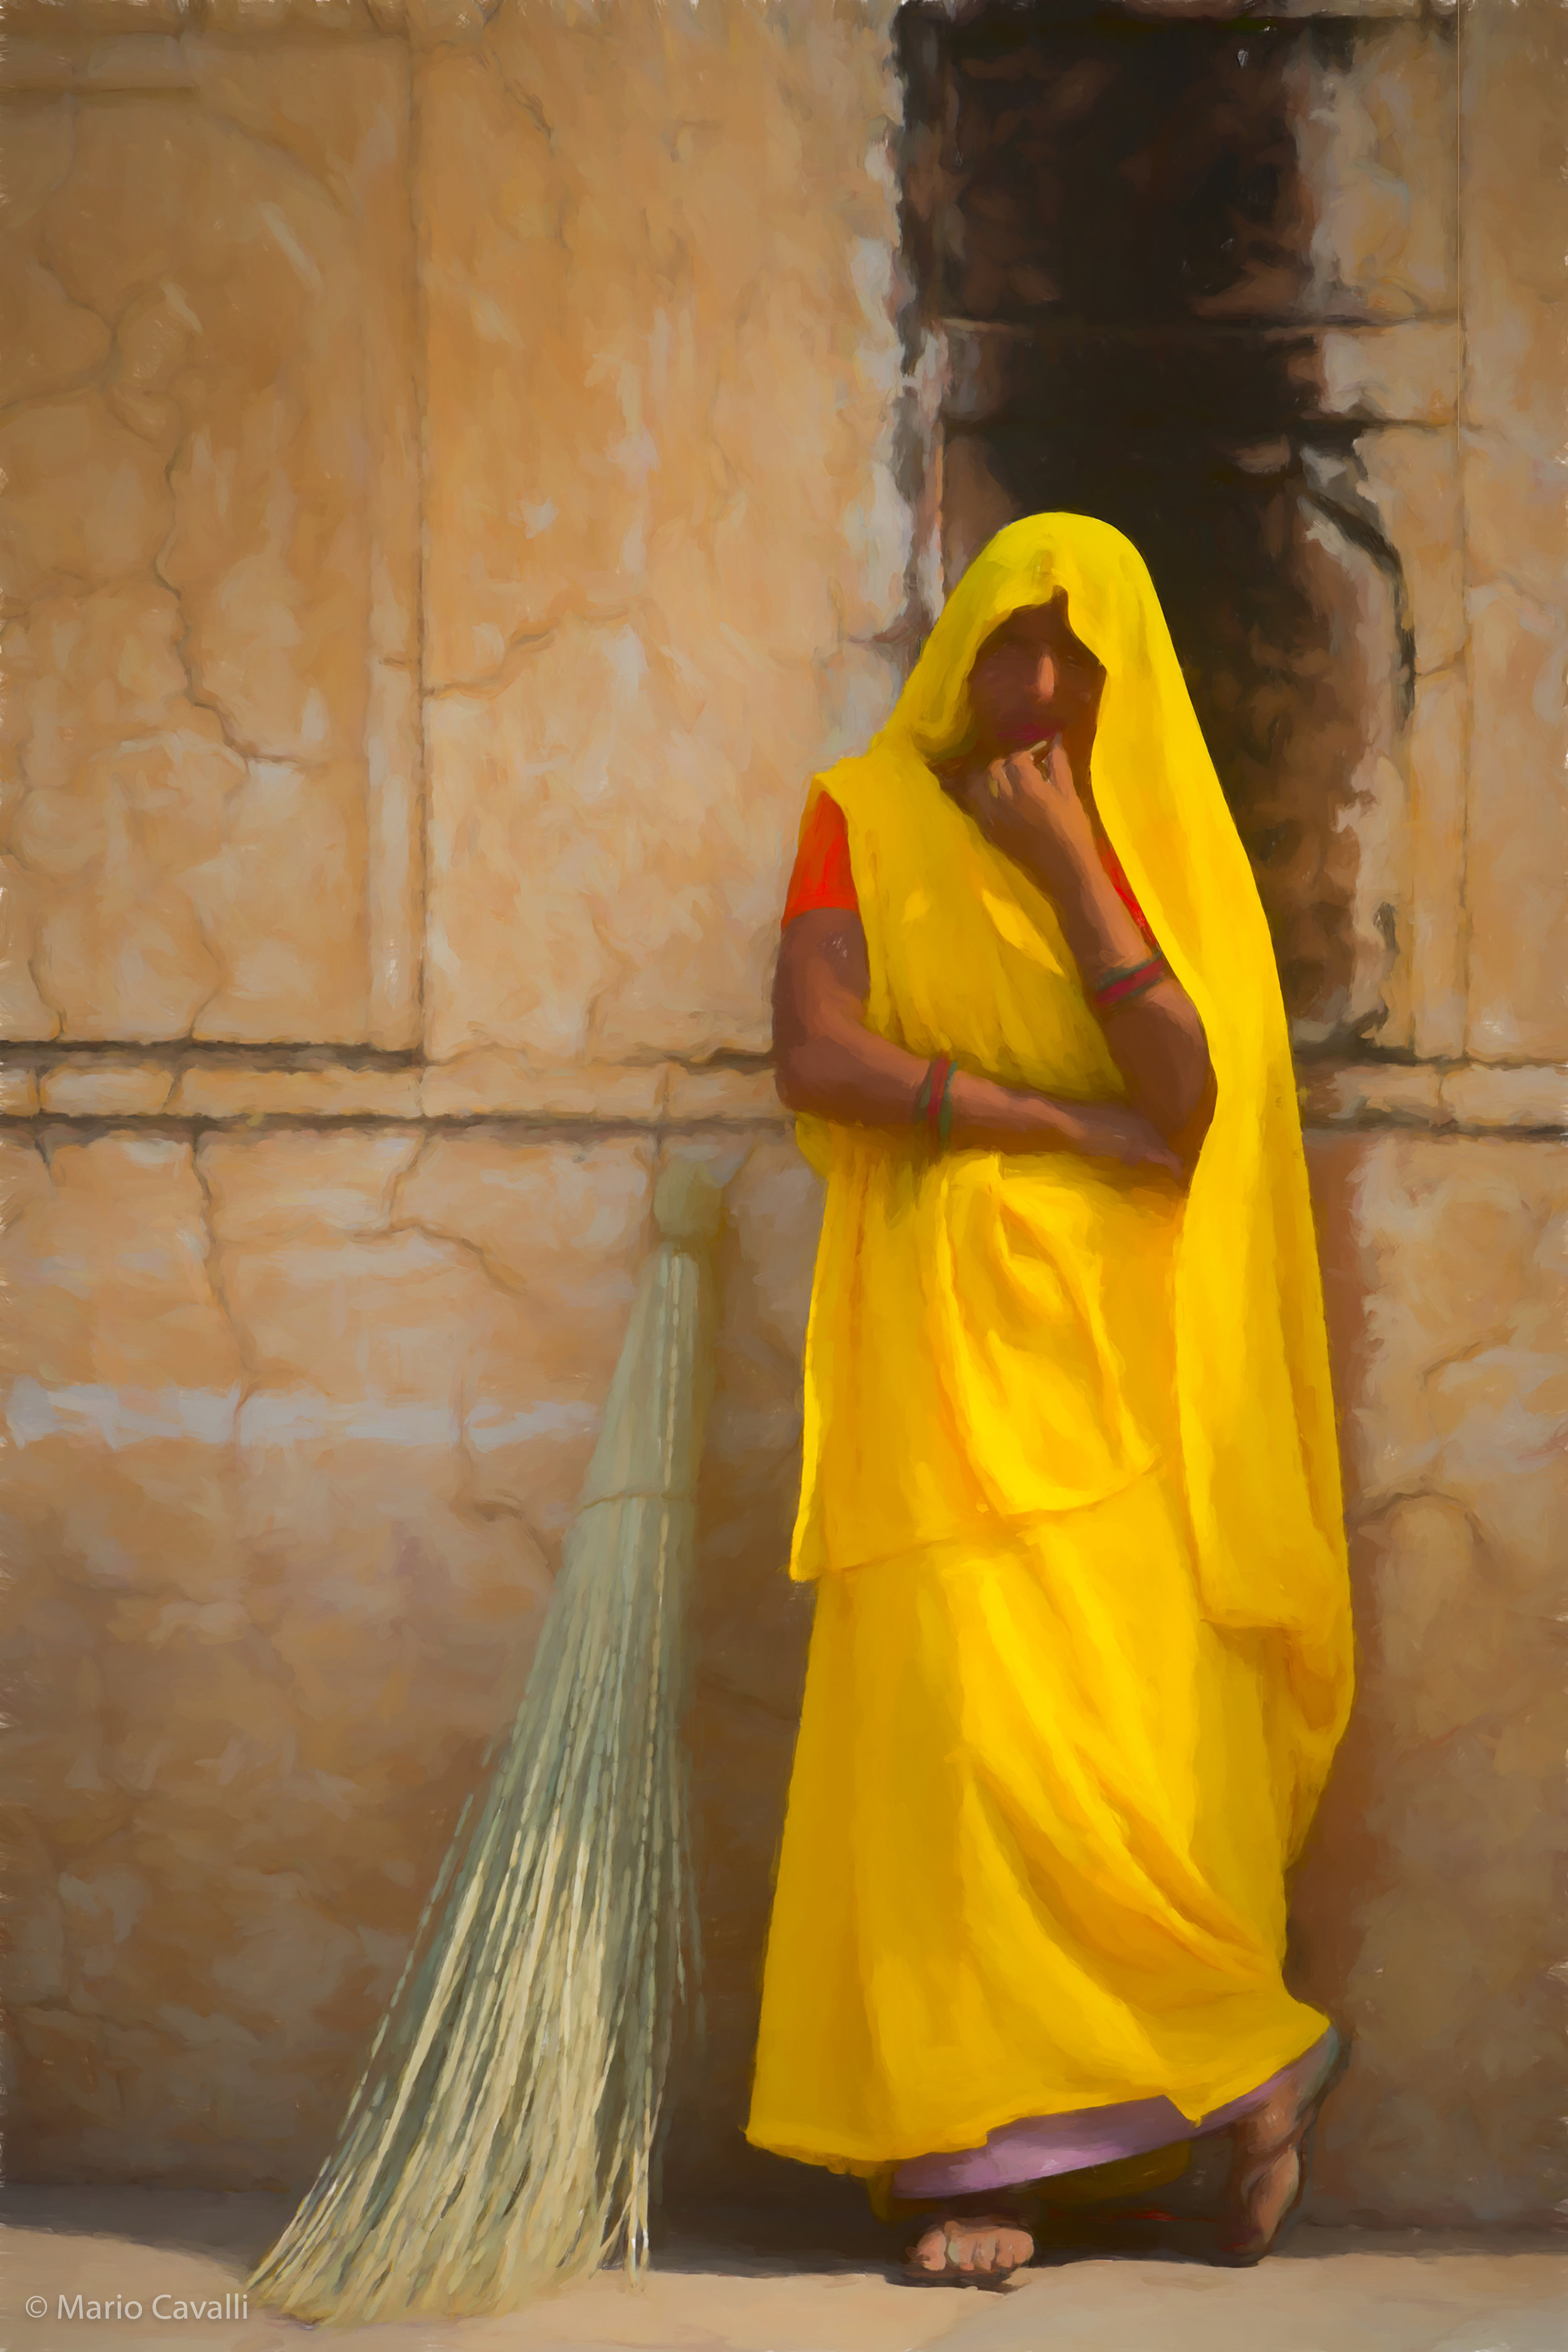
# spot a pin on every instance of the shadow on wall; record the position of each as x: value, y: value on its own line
x: 1115, y: 226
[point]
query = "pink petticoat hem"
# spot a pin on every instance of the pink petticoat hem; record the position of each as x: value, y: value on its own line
x: 1035, y: 2147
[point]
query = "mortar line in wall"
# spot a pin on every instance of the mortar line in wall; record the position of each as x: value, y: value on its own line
x: 303, y: 1056
x: 176, y: 1054
x: 38, y: 1128
x: 509, y: 1125
x: 1276, y: 324
x: 421, y: 844
x: 1461, y: 367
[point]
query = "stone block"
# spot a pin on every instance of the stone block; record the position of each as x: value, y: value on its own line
x: 1370, y: 1093
x: 1513, y: 101
x: 104, y: 1088
x: 45, y: 339
x: 209, y: 551
x: 1424, y: 1911
x: 1340, y: 907
x: 642, y: 639
x: 85, y: 672
x: 117, y: 856
x: 1479, y: 1098
x: 1460, y: 1245
x: 1410, y: 481
x: 395, y: 874
x: 1515, y: 529
x: 490, y: 1083
x: 579, y: 1210
x: 1515, y: 85
x: 24, y: 1014
x: 86, y: 501
x: 1406, y: 372
x: 742, y: 1095
x: 290, y: 1184
x: 19, y: 1091
x: 561, y: 1230
x: 1374, y: 136
x: 1438, y: 751
x: 39, y: 155
x: 1516, y: 875
x: 594, y: 893
x: 107, y: 1279
x: 34, y: 1963
x: 235, y: 1090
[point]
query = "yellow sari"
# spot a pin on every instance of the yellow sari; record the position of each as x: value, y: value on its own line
x: 1081, y: 1651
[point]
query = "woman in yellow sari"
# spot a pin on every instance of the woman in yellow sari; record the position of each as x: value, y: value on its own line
x: 1081, y: 1653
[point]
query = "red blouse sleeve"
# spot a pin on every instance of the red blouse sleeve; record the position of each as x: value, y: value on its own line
x: 1123, y: 888
x: 822, y: 877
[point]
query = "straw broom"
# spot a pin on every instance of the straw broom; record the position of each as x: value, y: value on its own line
x: 501, y: 2137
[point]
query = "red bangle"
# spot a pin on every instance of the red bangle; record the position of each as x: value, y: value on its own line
x: 1123, y: 984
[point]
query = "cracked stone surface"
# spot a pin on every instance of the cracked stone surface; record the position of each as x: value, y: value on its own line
x: 1429, y: 1911
x: 293, y: 1420
x: 295, y: 1412
x: 665, y: 526
x: 1516, y: 496
x: 206, y: 555
x: 296, y: 1422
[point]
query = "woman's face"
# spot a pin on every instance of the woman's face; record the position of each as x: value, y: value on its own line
x: 1032, y: 678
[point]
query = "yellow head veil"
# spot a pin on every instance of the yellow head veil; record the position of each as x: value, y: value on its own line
x: 1256, y: 1410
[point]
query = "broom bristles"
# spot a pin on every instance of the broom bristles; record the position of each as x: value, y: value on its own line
x: 500, y: 2138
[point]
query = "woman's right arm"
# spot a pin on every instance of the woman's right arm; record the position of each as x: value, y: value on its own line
x: 828, y: 1063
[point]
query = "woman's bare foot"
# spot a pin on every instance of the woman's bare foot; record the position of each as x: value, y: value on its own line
x: 1272, y: 2150
x: 979, y: 2248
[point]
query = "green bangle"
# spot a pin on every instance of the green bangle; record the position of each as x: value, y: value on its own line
x: 944, y: 1116
x: 1123, y: 971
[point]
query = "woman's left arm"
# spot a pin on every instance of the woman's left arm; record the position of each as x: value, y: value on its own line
x: 1032, y: 810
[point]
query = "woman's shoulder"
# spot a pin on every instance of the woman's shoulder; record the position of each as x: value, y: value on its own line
x: 823, y: 875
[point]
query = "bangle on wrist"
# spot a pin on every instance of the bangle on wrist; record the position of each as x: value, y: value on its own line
x: 944, y: 1116
x: 1128, y: 981
x: 933, y: 1103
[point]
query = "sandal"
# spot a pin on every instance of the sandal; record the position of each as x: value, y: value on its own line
x: 1242, y: 2237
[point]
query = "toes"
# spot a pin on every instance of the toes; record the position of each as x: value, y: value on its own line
x: 977, y: 2252
x: 989, y: 2251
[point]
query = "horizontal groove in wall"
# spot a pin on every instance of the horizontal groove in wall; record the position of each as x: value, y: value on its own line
x: 154, y: 1093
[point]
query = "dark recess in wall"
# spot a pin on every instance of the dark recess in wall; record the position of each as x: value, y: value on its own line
x: 1108, y: 218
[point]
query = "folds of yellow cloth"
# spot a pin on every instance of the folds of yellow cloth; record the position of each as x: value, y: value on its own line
x: 1033, y: 1858
x: 1070, y: 1486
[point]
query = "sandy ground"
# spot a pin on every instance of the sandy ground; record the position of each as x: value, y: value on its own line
x: 734, y: 2284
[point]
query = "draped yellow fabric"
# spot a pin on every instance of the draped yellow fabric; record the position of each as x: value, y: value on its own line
x: 1071, y: 1481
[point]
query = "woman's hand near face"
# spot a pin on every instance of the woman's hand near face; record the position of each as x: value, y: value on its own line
x: 1028, y: 805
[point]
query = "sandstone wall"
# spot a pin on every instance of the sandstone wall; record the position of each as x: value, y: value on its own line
x: 463, y: 473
